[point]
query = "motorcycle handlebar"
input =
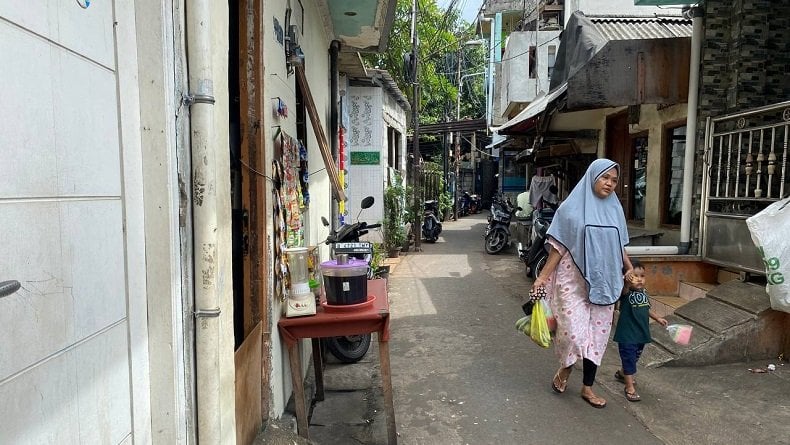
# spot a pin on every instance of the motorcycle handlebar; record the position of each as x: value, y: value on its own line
x: 373, y: 226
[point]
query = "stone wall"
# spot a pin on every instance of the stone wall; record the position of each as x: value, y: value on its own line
x: 745, y: 61
x: 745, y: 55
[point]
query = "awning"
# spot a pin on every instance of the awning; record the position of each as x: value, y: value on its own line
x: 464, y: 126
x: 526, y: 119
x: 496, y: 139
x: 612, y: 61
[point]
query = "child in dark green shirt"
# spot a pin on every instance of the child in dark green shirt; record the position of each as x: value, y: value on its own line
x: 633, y: 330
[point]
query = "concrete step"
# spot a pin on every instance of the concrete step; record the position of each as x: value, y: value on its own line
x: 664, y: 305
x: 746, y: 296
x: 714, y: 315
x: 690, y: 291
x: 732, y: 323
x: 700, y: 335
x: 654, y: 356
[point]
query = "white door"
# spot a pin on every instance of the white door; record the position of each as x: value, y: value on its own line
x: 67, y: 365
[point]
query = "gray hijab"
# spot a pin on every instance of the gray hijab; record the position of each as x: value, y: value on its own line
x: 593, y: 230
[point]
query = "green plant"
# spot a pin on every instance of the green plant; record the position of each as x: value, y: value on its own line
x: 446, y: 203
x: 379, y: 253
x: 394, y: 212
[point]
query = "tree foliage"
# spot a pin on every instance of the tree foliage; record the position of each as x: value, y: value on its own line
x: 440, y: 35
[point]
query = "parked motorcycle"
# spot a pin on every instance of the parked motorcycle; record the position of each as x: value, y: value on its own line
x: 431, y: 226
x: 474, y: 204
x: 497, y: 235
x: 351, y: 348
x: 464, y: 202
x: 534, y: 255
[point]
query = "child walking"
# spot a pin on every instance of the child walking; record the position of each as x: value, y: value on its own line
x: 633, y: 331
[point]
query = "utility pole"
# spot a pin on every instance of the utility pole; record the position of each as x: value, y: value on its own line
x: 457, y: 133
x: 458, y: 79
x: 416, y: 225
x: 474, y: 162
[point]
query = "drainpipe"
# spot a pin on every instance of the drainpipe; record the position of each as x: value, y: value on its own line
x: 204, y: 211
x: 334, y: 112
x: 651, y: 250
x: 696, y: 15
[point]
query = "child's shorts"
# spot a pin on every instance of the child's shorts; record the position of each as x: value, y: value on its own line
x: 629, y: 355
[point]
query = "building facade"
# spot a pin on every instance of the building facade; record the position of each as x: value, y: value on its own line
x: 140, y: 151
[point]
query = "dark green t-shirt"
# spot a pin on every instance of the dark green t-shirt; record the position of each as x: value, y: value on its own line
x: 633, y: 325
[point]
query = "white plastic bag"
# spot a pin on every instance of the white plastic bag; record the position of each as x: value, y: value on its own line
x: 769, y: 229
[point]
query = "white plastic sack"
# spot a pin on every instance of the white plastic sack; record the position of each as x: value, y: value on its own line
x: 769, y: 230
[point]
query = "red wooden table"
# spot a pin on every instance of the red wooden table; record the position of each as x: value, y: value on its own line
x: 373, y: 317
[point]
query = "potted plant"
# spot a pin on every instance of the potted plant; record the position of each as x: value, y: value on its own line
x: 393, y: 224
x: 380, y: 270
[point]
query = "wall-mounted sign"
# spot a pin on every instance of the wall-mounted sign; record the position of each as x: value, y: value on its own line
x: 365, y: 158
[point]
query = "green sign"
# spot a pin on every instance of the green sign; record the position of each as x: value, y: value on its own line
x: 365, y: 158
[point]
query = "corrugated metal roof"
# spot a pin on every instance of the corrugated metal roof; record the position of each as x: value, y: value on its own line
x: 392, y: 87
x: 388, y: 83
x: 633, y: 28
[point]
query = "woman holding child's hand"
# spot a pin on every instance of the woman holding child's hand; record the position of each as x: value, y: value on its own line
x: 583, y: 274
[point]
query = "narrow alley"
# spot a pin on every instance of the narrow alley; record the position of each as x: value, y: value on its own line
x: 461, y: 372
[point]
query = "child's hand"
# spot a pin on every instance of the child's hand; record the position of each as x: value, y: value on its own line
x: 662, y: 321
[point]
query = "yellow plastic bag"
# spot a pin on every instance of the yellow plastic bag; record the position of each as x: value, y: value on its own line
x: 539, y: 327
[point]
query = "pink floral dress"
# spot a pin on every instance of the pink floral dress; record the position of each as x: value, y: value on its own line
x: 582, y: 327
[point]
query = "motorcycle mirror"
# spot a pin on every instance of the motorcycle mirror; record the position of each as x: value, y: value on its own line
x: 324, y: 222
x: 367, y: 202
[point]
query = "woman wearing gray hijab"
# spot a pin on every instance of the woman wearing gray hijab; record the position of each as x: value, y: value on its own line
x: 583, y: 274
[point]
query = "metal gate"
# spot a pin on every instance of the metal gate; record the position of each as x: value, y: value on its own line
x: 745, y: 170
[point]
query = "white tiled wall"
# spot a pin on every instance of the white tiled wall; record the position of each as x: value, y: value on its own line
x: 367, y: 132
x: 64, y: 354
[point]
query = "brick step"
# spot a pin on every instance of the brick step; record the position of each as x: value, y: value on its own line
x: 690, y: 291
x: 392, y: 263
x: 664, y: 305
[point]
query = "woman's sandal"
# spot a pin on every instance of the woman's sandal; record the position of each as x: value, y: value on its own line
x: 594, y: 401
x: 559, y: 389
x: 631, y: 396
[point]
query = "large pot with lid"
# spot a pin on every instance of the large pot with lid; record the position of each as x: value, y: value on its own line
x: 345, y: 280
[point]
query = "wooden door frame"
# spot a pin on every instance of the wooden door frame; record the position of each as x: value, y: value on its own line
x: 618, y: 154
x: 253, y: 113
x: 666, y: 154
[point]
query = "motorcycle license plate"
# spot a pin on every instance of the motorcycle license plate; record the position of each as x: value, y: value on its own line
x: 352, y: 248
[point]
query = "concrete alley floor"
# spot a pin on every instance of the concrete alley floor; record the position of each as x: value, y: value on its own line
x: 462, y: 374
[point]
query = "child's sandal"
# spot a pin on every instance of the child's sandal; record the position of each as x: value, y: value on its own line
x: 631, y: 396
